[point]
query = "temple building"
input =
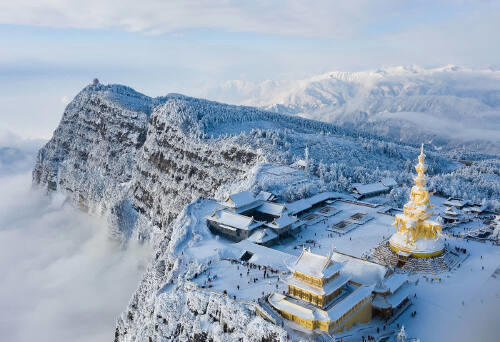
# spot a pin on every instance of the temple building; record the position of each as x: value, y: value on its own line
x: 320, y: 297
x: 391, y: 295
x: 416, y: 234
x: 245, y: 216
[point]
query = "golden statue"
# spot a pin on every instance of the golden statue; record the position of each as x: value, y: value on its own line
x: 416, y: 234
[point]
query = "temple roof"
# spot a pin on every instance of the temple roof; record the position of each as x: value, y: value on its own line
x: 327, y: 289
x: 234, y: 220
x: 366, y: 189
x: 316, y: 265
x: 239, y: 199
x: 271, y: 208
x: 337, y: 311
x: 282, y: 221
x: 262, y: 235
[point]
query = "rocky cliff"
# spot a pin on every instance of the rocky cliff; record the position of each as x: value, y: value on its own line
x: 147, y: 163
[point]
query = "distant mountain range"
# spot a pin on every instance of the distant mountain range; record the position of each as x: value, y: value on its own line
x: 447, y: 107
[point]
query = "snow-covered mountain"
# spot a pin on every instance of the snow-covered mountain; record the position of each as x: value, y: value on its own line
x: 446, y: 106
x: 146, y: 163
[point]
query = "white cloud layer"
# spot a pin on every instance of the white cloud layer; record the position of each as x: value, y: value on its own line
x: 62, y: 278
x: 308, y: 18
x: 323, y: 18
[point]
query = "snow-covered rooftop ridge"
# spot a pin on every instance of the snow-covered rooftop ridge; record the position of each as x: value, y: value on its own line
x: 395, y: 281
x: 275, y: 209
x: 315, y: 265
x: 389, y: 181
x: 306, y: 203
x: 366, y: 189
x: 231, y: 219
x: 360, y: 271
x: 240, y: 199
x: 262, y: 235
x: 264, y: 255
x: 282, y: 221
x: 264, y: 196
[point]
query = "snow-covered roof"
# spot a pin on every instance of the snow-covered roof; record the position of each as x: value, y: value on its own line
x: 297, y: 206
x: 367, y: 189
x: 239, y: 199
x: 450, y: 211
x: 299, y: 164
x: 228, y: 218
x: 264, y: 255
x: 360, y: 271
x: 395, y: 281
x: 397, y: 298
x: 337, y: 311
x: 455, y: 202
x: 264, y: 196
x: 280, y: 302
x: 330, y: 287
x: 392, y: 300
x: 388, y: 181
x: 262, y: 235
x: 306, y: 203
x: 315, y: 265
x: 380, y: 302
x: 475, y: 209
x: 282, y: 221
x: 270, y: 208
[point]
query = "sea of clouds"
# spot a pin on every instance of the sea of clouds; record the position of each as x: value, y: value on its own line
x: 62, y: 277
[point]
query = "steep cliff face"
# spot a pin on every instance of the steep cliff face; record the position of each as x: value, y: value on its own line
x: 112, y: 156
x: 178, y: 164
x: 92, y: 152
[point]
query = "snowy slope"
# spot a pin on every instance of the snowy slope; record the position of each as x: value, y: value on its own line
x: 446, y: 106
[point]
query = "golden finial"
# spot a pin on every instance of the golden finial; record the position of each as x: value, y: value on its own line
x: 421, y: 157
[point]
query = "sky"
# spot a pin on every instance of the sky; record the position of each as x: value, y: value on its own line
x: 51, y: 49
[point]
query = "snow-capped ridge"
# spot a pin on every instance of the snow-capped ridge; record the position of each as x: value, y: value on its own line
x: 466, y: 100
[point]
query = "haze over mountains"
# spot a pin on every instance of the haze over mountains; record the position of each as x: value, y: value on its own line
x: 447, y: 107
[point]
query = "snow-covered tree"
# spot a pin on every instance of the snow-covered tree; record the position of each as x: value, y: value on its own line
x: 401, y: 336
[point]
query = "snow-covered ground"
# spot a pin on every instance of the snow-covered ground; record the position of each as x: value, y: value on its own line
x: 357, y: 242
x: 441, y: 315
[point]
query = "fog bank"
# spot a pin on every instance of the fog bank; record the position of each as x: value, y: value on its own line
x: 62, y: 278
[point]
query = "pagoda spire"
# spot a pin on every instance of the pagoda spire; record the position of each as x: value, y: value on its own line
x: 415, y: 224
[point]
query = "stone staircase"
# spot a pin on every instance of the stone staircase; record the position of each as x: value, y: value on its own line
x: 443, y: 263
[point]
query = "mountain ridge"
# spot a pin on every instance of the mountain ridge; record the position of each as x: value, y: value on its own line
x: 405, y: 99
x: 146, y: 163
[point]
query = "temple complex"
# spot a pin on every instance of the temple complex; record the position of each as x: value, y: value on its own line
x: 416, y: 234
x: 320, y: 297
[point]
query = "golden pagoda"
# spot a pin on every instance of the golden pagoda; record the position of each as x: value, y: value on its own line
x: 416, y: 234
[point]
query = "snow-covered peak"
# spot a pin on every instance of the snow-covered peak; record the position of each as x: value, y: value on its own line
x: 119, y: 95
x: 451, y: 104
